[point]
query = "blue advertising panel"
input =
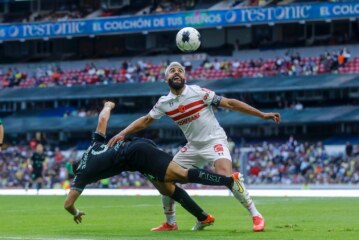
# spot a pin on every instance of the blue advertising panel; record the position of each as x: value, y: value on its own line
x: 202, y: 18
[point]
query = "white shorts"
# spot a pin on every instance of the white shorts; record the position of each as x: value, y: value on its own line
x: 190, y: 155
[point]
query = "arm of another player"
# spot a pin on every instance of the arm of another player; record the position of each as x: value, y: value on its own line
x: 239, y: 106
x: 135, y: 126
x: 103, y: 117
x: 70, y: 205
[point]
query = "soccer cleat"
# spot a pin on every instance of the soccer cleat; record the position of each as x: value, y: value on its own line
x: 201, y: 225
x: 166, y: 227
x: 237, y: 185
x: 258, y: 223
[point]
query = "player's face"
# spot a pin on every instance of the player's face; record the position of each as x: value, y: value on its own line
x: 176, y: 78
x: 39, y: 148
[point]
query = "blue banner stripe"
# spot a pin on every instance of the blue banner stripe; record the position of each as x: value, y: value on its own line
x: 205, y: 18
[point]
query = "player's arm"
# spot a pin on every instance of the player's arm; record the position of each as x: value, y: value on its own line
x: 135, y: 126
x: 29, y: 164
x: 70, y: 205
x: 239, y: 106
x: 103, y: 117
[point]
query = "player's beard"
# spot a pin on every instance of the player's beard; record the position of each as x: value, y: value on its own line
x: 176, y: 85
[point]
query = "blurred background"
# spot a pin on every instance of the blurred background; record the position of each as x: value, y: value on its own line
x: 61, y: 59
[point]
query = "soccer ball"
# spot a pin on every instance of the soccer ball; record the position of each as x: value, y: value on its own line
x: 188, y: 39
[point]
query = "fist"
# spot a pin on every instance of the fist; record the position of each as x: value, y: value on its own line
x: 110, y: 105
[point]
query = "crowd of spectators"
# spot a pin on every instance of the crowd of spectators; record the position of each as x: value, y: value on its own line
x: 291, y: 64
x: 297, y: 162
x: 61, y: 15
x: 288, y: 163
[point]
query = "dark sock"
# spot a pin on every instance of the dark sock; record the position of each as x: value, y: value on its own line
x: 207, y: 178
x: 38, y: 186
x: 187, y: 203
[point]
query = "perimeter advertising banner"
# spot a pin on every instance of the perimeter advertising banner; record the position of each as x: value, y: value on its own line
x: 161, y: 22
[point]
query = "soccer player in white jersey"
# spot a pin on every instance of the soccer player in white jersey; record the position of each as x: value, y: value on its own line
x: 190, y: 106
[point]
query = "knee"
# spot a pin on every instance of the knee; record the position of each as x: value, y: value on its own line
x: 168, y: 190
x: 224, y: 168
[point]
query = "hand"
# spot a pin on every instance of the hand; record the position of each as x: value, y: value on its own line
x: 110, y: 105
x: 272, y: 116
x: 118, y: 137
x: 78, y: 217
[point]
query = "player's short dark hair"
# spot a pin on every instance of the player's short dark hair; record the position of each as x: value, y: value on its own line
x: 75, y: 164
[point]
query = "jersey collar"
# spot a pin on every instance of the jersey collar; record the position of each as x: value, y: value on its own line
x: 185, y: 91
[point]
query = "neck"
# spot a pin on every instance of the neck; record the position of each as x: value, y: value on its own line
x: 177, y: 92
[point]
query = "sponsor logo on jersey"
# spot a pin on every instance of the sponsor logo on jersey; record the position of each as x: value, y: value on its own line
x: 189, y: 119
x: 218, y: 148
x: 205, y: 97
x: 181, y: 108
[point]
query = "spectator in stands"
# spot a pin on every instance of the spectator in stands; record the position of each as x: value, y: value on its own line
x: 346, y: 55
x: 348, y: 149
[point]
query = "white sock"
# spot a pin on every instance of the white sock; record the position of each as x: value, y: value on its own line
x: 169, y: 207
x: 246, y: 200
x: 253, y: 210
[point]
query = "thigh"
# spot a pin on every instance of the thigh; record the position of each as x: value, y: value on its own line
x: 149, y: 160
x: 176, y: 173
x: 36, y: 174
x: 215, y: 150
x: 189, y: 157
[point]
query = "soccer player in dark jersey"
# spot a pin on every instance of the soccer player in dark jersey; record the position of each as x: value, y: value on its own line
x: 37, y: 162
x: 140, y: 154
x: 1, y: 134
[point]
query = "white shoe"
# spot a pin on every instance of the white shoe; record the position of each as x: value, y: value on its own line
x: 201, y: 225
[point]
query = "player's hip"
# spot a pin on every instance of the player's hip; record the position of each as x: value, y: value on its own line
x: 192, y: 155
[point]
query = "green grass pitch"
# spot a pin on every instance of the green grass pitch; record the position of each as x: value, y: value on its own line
x: 43, y: 217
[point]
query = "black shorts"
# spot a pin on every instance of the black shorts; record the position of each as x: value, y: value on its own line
x: 36, y: 173
x: 144, y: 156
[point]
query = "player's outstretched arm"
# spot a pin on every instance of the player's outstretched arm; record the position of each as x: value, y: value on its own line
x: 103, y: 117
x: 70, y: 206
x: 239, y: 106
x: 135, y: 126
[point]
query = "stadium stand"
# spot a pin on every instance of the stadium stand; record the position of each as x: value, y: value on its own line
x: 291, y: 64
x: 291, y: 162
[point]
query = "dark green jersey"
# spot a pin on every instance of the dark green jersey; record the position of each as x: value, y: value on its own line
x: 37, y: 160
x: 138, y: 154
x: 98, y: 162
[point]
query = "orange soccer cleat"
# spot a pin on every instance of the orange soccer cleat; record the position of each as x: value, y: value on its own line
x: 166, y: 227
x: 258, y: 223
x: 201, y: 225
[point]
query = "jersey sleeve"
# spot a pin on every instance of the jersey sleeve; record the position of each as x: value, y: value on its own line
x: 208, y: 96
x: 157, y: 112
x: 98, y: 137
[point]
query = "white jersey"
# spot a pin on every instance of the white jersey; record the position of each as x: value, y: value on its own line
x: 192, y: 111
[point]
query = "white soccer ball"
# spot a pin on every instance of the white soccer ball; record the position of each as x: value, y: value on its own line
x: 188, y: 39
